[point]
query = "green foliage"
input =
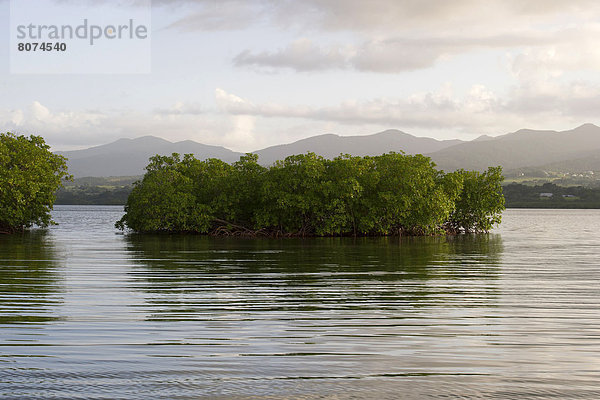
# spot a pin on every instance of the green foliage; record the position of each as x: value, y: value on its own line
x: 30, y: 175
x: 481, y: 201
x: 391, y: 194
x: 293, y: 196
x: 165, y: 200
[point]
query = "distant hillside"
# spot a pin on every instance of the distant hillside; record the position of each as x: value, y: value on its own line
x: 128, y: 157
x: 577, y: 165
x: 330, y: 145
x: 524, y: 148
x: 568, y: 151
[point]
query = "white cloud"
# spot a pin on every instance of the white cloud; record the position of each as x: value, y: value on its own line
x: 39, y: 112
x: 478, y: 111
x: 436, y: 109
x: 242, y: 132
x: 576, y: 50
x: 39, y: 116
x: 181, y: 108
x: 75, y: 129
x: 17, y: 118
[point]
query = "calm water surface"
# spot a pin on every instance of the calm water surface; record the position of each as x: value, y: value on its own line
x: 86, y: 312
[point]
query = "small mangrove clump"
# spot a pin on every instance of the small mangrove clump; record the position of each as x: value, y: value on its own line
x: 30, y: 175
x: 308, y: 195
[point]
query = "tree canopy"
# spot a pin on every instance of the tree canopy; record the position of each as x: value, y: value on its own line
x: 308, y: 195
x: 30, y: 175
x: 481, y: 201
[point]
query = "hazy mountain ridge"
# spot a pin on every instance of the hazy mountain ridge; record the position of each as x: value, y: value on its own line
x: 331, y: 145
x: 578, y: 148
x: 523, y: 148
x: 577, y: 165
x: 130, y: 156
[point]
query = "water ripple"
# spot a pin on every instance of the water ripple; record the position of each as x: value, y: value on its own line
x: 89, y: 313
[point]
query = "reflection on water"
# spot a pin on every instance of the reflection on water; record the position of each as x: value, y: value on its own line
x: 190, y: 277
x: 87, y: 312
x: 30, y: 283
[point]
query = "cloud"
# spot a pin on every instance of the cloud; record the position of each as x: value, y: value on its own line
x: 480, y: 110
x: 576, y: 100
x: 389, y: 36
x: 437, y: 109
x: 560, y: 77
x: 38, y: 119
x: 223, y: 15
x: 398, y: 54
x: 400, y: 35
x: 576, y: 50
x: 301, y: 55
x: 234, y: 19
x: 180, y: 108
x: 441, y: 16
x: 242, y: 131
x: 381, y: 56
x: 378, y: 15
x: 74, y: 129
x: 244, y: 125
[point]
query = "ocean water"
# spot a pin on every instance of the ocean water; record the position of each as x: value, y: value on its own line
x: 89, y: 312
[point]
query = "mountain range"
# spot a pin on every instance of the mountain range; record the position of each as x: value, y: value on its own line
x: 128, y: 157
x: 572, y: 150
x: 331, y: 145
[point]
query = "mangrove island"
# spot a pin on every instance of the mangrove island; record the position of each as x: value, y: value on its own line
x: 308, y: 195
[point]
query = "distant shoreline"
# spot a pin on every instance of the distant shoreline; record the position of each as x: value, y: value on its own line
x: 519, y: 207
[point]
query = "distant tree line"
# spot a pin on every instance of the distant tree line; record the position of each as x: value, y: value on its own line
x: 96, y: 190
x: 307, y: 195
x: 96, y: 195
x: 550, y: 195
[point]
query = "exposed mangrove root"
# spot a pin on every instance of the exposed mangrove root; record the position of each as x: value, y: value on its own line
x: 227, y: 229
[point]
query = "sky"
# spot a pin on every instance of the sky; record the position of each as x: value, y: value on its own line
x: 247, y: 74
